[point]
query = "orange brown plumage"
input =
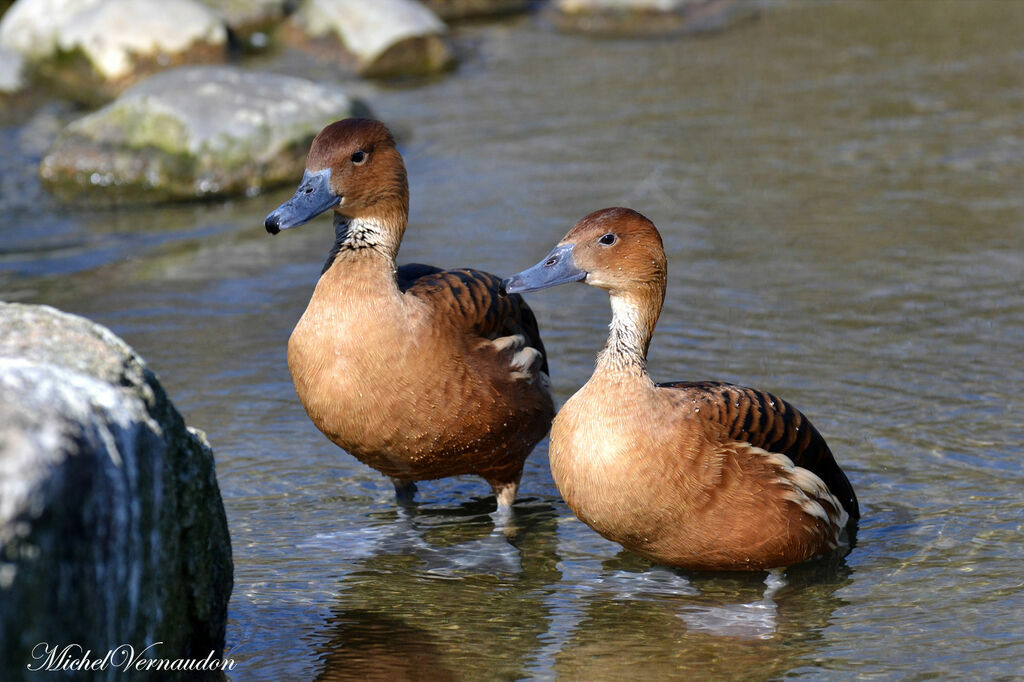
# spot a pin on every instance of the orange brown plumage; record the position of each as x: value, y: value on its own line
x: 419, y: 372
x: 699, y: 475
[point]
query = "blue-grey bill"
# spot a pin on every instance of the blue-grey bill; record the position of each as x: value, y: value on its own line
x: 556, y: 268
x: 313, y: 197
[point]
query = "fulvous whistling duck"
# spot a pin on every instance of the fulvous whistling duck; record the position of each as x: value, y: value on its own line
x: 419, y: 372
x: 697, y: 475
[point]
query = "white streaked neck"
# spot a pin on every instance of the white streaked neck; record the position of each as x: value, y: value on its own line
x: 628, y: 338
x: 353, y: 234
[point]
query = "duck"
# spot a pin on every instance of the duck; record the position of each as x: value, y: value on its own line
x: 696, y: 475
x: 419, y: 372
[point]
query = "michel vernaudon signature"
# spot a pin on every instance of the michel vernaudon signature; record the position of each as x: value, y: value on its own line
x: 49, y: 658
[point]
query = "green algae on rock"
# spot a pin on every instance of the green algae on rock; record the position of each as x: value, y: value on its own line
x: 91, y: 50
x: 455, y: 10
x: 380, y: 39
x: 616, y: 18
x: 193, y: 132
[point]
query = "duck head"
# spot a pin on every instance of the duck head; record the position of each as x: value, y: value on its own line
x: 620, y: 251
x: 615, y: 249
x: 354, y: 169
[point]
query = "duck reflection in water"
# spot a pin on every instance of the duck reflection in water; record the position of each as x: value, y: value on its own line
x: 444, y: 541
x: 369, y: 646
x: 704, y: 625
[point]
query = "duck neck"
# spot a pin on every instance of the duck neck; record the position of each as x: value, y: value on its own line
x: 629, y: 336
x: 366, y: 275
x: 379, y: 234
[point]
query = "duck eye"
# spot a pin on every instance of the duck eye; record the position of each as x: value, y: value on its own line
x: 359, y: 157
x: 607, y: 239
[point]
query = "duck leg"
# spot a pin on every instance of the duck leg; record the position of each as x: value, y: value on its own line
x: 405, y: 490
x: 505, y: 491
x: 774, y: 582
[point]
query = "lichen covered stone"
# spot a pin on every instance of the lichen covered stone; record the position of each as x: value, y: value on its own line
x: 454, y: 10
x: 650, y: 17
x: 193, y: 132
x: 381, y: 38
x: 91, y: 50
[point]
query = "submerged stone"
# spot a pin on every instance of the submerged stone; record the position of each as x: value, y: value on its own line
x: 453, y: 10
x: 112, y: 528
x: 247, y: 18
x: 650, y: 17
x: 12, y: 71
x: 380, y: 38
x: 93, y: 49
x: 193, y: 132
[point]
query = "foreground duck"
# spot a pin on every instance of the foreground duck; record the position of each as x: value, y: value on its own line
x: 698, y: 475
x: 419, y: 372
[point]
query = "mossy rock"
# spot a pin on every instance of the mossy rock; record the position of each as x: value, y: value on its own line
x: 627, y: 18
x: 70, y: 73
x: 92, y: 50
x: 456, y: 10
x: 193, y: 132
x: 382, y: 39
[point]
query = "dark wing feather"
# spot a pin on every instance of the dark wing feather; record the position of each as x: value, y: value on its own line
x: 410, y: 272
x: 770, y: 423
x: 473, y: 299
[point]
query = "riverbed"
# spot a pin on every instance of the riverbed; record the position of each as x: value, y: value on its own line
x: 839, y: 187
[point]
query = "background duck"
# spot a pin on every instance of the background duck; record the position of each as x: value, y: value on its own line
x: 419, y: 372
x: 698, y: 475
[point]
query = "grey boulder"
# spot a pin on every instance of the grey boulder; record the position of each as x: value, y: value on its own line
x: 12, y: 71
x: 454, y: 10
x: 382, y: 38
x: 193, y: 132
x: 93, y: 49
x: 112, y: 528
x: 650, y: 17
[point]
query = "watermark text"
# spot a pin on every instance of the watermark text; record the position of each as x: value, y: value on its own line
x: 52, y: 657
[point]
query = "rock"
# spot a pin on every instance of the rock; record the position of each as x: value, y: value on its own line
x: 193, y: 132
x: 383, y: 38
x: 112, y: 528
x: 94, y: 49
x: 454, y: 10
x: 12, y: 71
x: 650, y: 17
x: 249, y: 20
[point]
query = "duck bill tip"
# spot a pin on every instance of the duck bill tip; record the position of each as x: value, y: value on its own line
x: 558, y: 267
x: 313, y: 197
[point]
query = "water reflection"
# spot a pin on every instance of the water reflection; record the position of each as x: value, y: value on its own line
x: 445, y: 544
x: 456, y: 584
x: 729, y: 627
x: 839, y: 191
x: 444, y: 593
x: 366, y: 645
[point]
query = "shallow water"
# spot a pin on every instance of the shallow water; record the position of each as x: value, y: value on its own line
x: 840, y: 191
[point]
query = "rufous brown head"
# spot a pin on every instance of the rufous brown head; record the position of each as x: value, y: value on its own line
x: 615, y: 249
x: 354, y: 168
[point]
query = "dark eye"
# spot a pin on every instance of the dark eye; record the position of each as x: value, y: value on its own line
x: 359, y: 157
x: 607, y: 239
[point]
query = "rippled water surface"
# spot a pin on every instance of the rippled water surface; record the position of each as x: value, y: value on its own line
x: 841, y: 192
